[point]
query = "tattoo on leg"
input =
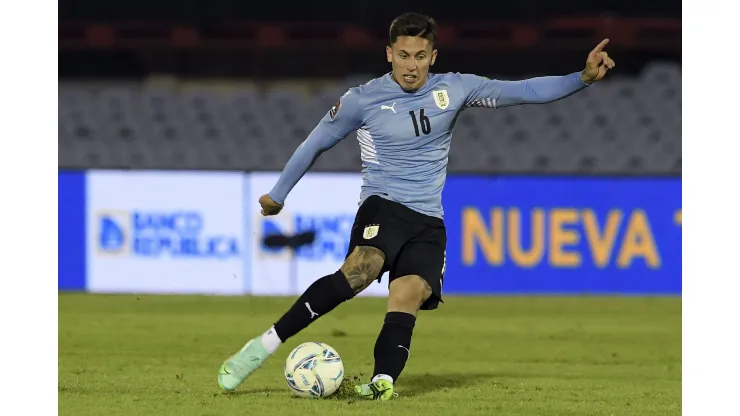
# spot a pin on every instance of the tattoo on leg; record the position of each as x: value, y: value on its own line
x: 363, y: 266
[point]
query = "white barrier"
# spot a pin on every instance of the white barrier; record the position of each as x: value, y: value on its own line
x: 165, y: 232
x: 202, y: 232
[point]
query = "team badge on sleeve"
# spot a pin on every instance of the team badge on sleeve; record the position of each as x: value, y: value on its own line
x: 441, y: 99
x: 334, y: 109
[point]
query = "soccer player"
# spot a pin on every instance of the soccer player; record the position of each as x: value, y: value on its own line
x: 404, y: 122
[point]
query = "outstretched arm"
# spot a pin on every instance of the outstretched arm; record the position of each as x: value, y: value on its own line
x: 484, y: 92
x: 344, y: 117
x: 493, y: 93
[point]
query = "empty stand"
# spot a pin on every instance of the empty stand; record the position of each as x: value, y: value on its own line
x: 619, y: 126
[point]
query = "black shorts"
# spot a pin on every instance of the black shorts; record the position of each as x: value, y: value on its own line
x: 413, y: 243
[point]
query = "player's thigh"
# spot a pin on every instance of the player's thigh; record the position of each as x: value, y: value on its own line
x: 376, y: 230
x: 378, y: 225
x: 426, y: 259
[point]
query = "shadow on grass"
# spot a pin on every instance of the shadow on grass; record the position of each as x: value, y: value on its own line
x: 251, y: 391
x: 411, y: 385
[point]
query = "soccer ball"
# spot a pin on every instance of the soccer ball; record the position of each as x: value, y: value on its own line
x: 314, y: 369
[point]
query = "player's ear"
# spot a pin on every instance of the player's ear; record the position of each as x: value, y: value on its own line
x: 434, y: 57
x: 389, y: 53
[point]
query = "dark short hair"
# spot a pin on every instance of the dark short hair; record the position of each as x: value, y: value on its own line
x: 413, y: 24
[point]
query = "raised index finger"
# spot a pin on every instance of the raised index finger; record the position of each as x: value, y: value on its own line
x: 600, y: 46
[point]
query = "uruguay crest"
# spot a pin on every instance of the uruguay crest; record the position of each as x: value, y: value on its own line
x: 441, y: 99
x: 370, y: 232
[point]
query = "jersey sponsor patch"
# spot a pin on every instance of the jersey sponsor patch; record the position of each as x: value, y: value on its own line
x: 334, y: 109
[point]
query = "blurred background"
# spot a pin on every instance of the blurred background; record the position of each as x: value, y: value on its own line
x: 223, y: 84
x: 175, y: 116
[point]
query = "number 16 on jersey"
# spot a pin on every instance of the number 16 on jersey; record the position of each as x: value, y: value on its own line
x: 426, y: 127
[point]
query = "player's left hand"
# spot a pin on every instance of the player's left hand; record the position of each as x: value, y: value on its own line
x: 597, y: 64
x: 269, y: 206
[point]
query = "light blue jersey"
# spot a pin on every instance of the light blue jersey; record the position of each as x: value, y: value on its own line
x: 405, y: 137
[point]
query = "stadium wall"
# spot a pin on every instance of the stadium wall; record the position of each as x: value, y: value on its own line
x: 201, y: 232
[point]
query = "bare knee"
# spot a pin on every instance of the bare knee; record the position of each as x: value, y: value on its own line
x: 408, y: 293
x: 363, y: 266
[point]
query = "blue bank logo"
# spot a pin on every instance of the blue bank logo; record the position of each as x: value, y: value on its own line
x: 111, y: 235
x: 178, y: 234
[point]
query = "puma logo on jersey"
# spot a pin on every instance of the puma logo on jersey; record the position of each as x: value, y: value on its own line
x: 389, y: 107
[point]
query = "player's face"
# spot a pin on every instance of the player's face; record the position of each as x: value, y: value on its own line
x: 411, y: 57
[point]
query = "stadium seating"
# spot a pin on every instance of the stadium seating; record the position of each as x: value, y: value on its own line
x: 622, y: 126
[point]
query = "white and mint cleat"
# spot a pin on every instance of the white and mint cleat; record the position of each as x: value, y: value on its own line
x: 236, y: 369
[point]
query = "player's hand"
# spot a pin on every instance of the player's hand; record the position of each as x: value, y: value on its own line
x: 597, y: 63
x: 269, y: 206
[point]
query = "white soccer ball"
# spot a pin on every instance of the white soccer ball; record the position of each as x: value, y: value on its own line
x: 314, y: 369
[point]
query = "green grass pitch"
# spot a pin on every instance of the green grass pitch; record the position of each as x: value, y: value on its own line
x: 144, y: 355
